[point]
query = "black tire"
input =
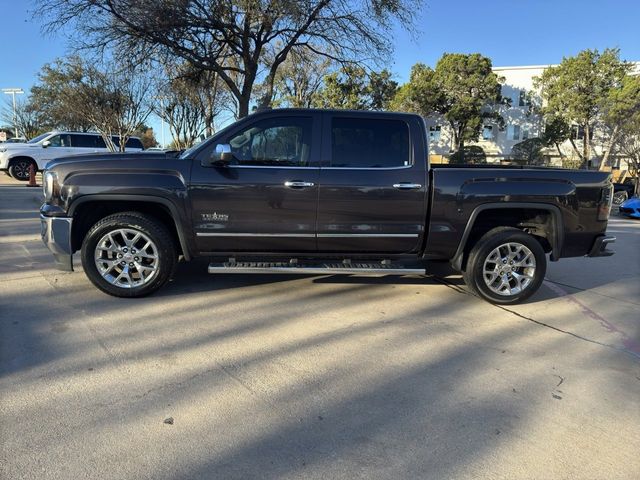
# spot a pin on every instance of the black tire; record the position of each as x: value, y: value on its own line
x: 619, y: 198
x: 163, y: 247
x: 481, y: 252
x: 19, y: 168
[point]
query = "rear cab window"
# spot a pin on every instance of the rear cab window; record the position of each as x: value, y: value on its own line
x: 371, y: 143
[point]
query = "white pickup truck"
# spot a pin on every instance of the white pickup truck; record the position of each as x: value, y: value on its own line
x: 17, y: 158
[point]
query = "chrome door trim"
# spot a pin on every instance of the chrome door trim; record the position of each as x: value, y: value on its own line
x: 283, y: 167
x: 400, y: 167
x: 308, y: 235
x: 368, y: 235
x: 234, y: 234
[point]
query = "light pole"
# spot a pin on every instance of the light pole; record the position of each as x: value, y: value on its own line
x: 161, y: 98
x: 13, y: 92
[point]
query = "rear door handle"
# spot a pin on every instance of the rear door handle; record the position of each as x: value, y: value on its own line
x: 298, y: 184
x: 407, y: 186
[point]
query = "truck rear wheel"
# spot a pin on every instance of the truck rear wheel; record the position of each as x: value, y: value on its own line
x: 129, y: 255
x: 506, y: 266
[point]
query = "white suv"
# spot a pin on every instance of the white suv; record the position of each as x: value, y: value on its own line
x: 16, y: 158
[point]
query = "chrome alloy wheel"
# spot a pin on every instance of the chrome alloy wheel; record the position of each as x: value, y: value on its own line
x: 509, y: 269
x: 126, y: 258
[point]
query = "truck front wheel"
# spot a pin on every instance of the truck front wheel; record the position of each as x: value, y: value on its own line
x: 128, y: 254
x: 506, y: 266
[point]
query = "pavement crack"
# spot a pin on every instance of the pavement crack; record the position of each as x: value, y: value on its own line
x: 561, y: 380
x: 592, y: 292
x: 540, y: 323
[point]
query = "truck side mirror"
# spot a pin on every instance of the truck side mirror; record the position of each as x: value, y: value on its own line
x: 221, y: 156
x: 46, y: 143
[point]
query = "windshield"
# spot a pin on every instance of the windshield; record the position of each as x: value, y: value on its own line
x: 39, y: 137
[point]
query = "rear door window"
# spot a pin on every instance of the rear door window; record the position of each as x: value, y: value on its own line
x: 135, y: 143
x: 83, y: 141
x: 369, y: 143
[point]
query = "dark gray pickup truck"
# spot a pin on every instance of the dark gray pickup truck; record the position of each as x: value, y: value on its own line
x: 319, y: 192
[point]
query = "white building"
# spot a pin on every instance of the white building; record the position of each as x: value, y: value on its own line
x: 520, y: 122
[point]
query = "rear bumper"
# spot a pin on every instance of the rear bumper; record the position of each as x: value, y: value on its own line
x: 56, y: 235
x: 599, y: 248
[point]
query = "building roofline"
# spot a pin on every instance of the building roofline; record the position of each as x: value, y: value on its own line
x: 526, y: 67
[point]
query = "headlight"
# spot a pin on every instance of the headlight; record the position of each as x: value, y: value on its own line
x: 48, y: 185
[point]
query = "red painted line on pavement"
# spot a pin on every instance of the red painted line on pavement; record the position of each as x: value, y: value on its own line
x: 629, y: 343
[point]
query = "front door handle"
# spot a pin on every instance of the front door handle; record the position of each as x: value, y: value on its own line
x: 298, y: 184
x: 407, y: 186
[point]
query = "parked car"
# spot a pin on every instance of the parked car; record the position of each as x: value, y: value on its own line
x: 15, y: 140
x: 319, y: 192
x: 622, y: 192
x: 631, y: 208
x: 17, y: 158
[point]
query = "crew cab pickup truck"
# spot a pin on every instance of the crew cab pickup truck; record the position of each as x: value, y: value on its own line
x: 319, y: 192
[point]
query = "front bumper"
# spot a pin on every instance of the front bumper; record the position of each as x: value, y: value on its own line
x: 56, y: 235
x: 599, y: 248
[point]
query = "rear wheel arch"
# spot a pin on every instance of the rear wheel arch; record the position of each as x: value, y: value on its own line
x: 87, y: 211
x: 541, y: 220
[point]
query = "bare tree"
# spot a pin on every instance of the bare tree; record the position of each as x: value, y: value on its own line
x: 26, y: 120
x: 301, y: 77
x: 190, y: 101
x: 113, y: 100
x: 233, y: 38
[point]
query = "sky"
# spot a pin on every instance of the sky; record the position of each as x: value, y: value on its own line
x: 515, y: 32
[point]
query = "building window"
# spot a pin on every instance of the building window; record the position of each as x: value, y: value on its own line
x: 434, y: 133
x: 577, y: 132
x: 513, y: 132
x: 487, y: 132
x: 525, y: 133
x: 522, y: 99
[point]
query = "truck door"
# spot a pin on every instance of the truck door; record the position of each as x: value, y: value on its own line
x: 373, y: 184
x: 265, y: 199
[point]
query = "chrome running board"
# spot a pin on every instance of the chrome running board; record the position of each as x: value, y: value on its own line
x: 292, y: 268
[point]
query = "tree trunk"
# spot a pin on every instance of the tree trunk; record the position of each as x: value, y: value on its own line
x: 243, y: 106
x: 575, y: 149
x: 607, y: 153
x: 586, y: 145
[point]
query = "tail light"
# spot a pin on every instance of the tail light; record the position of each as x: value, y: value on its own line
x: 604, y: 205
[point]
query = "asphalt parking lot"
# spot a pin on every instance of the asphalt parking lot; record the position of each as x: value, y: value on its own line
x: 324, y: 377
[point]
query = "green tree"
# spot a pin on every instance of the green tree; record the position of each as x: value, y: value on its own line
x: 146, y: 135
x: 529, y: 151
x: 556, y: 131
x: 623, y: 118
x: 622, y: 115
x: 578, y: 91
x: 51, y: 88
x: 462, y: 88
x: 353, y: 88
